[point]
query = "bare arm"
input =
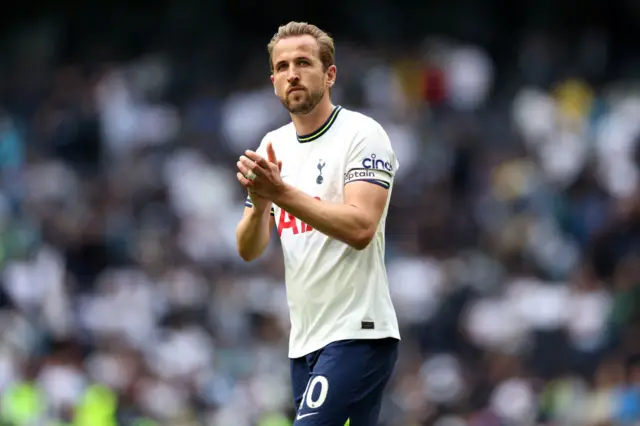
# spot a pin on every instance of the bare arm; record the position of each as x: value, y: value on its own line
x: 253, y: 233
x: 353, y: 222
x: 254, y: 230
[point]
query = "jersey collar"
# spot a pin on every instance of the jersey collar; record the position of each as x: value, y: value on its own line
x: 322, y: 129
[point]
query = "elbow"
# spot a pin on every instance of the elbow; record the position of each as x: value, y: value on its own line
x: 246, y: 256
x: 247, y: 252
x: 251, y: 241
x: 363, y: 238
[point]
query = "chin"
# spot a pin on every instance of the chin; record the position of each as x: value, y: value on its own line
x: 300, y: 109
x: 298, y: 97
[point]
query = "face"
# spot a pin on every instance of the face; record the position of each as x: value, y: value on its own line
x: 298, y: 75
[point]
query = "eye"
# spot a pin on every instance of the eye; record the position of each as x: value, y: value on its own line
x: 303, y: 62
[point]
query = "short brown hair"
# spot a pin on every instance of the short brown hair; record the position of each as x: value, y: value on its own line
x: 292, y: 29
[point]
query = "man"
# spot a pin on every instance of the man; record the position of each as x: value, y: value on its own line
x: 327, y: 195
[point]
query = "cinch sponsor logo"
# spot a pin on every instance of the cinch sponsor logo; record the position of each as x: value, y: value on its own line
x: 358, y: 174
x: 376, y: 163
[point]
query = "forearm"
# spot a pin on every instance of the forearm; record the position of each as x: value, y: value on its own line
x: 343, y: 222
x: 252, y: 234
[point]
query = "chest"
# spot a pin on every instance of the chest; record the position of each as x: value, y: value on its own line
x: 317, y: 170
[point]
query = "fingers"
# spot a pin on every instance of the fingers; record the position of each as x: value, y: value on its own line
x: 261, y: 161
x: 253, y: 165
x: 243, y: 180
x: 245, y: 166
x: 249, y: 168
x: 259, y: 165
x: 271, y: 154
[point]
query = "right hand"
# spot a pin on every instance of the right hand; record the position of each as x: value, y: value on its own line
x: 260, y: 203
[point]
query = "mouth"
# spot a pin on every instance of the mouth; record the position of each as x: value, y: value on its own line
x: 296, y: 89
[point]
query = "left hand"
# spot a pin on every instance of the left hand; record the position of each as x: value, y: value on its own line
x: 267, y: 183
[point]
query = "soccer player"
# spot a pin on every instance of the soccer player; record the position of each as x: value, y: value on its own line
x: 324, y: 180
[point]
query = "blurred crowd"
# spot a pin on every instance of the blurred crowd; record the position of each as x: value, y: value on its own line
x: 513, y: 236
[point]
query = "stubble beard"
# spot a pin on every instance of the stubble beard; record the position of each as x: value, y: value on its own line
x: 306, y: 105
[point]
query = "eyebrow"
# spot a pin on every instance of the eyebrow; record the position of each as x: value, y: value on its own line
x: 297, y: 58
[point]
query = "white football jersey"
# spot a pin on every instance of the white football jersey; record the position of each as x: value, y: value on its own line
x: 334, y: 291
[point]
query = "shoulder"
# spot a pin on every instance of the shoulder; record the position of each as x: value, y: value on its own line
x: 359, y: 122
x: 365, y: 132
x: 283, y: 132
x: 279, y: 136
x: 370, y: 147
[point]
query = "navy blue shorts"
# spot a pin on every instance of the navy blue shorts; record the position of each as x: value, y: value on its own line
x: 344, y: 380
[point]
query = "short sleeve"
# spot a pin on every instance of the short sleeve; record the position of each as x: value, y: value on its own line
x: 371, y: 159
x: 262, y: 150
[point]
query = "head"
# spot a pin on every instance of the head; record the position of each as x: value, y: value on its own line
x: 302, y: 66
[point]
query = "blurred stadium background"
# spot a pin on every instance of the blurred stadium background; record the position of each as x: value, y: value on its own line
x: 513, y: 237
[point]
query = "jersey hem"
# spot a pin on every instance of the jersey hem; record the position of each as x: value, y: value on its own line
x: 368, y: 336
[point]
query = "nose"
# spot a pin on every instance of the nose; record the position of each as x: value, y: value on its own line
x: 292, y: 75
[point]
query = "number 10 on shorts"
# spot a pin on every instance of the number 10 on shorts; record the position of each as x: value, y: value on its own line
x: 308, y: 398
x: 308, y: 395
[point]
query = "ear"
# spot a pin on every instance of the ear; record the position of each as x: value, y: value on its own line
x: 331, y: 75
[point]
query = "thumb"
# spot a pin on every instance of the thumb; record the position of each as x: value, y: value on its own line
x: 271, y: 154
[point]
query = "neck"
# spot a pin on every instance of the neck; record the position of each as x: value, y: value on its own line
x: 309, y: 123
